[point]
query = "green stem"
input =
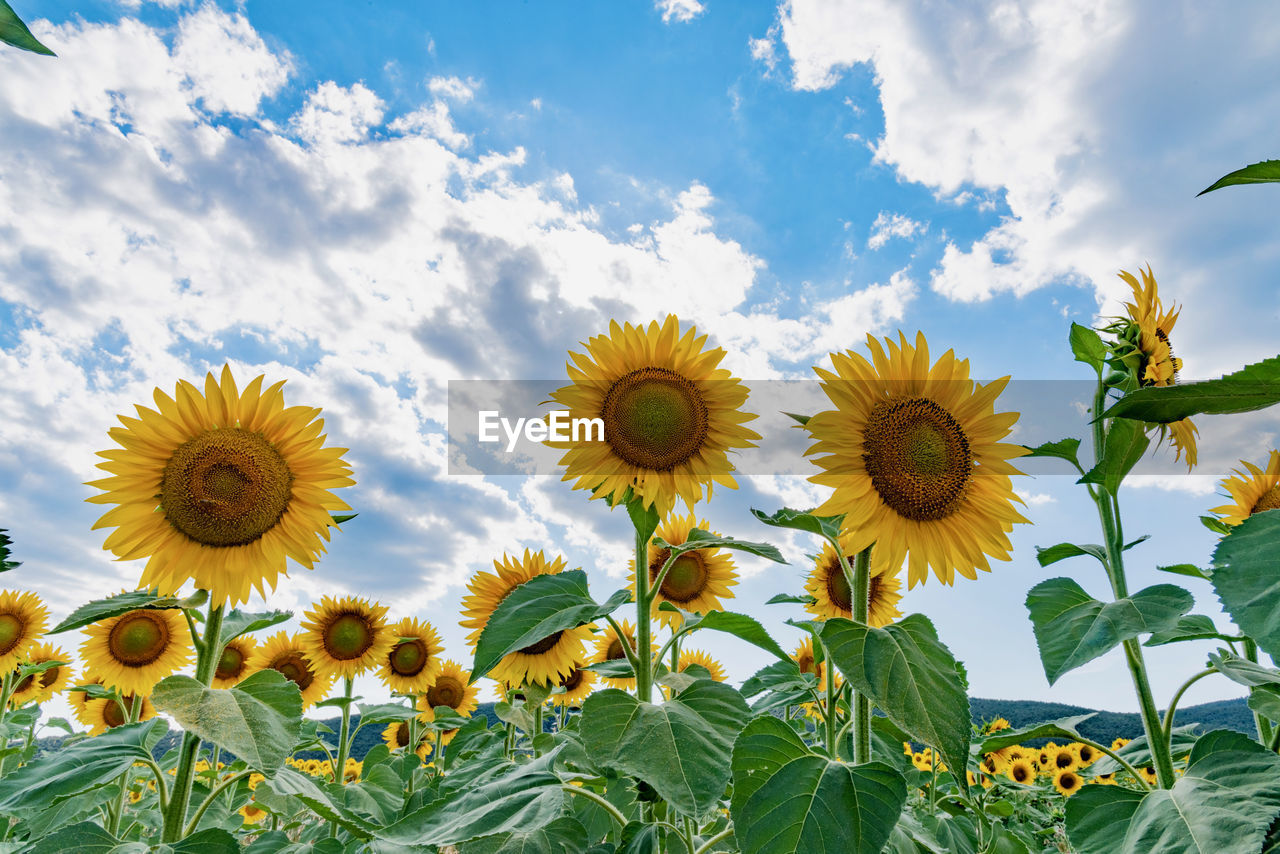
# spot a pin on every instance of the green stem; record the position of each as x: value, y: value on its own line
x: 710, y: 843
x: 6, y: 691
x: 1173, y: 704
x: 614, y: 813
x: 211, y: 797
x: 644, y: 641
x: 117, y: 814
x: 1262, y: 723
x: 206, y: 663
x: 537, y: 727
x: 829, y: 709
x: 688, y: 834
x: 344, y: 745
x: 860, y: 592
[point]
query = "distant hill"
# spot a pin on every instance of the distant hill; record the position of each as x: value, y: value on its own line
x: 1102, y: 727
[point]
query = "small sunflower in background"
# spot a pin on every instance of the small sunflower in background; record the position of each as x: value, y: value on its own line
x: 134, y: 651
x: 696, y: 581
x: 242, y: 483
x: 1086, y: 755
x: 103, y: 713
x: 670, y: 415
x: 287, y: 655
x: 23, y: 619
x: 913, y: 451
x: 345, y: 636
x: 609, y: 648
x: 1021, y: 771
x: 39, y: 687
x: 806, y: 661
x: 577, y: 686
x: 701, y: 659
x: 233, y: 664
x: 1143, y: 343
x: 451, y: 688
x: 1252, y: 490
x: 396, y: 737
x: 1067, y: 782
x: 832, y: 596
x: 545, y: 661
x: 1063, y: 759
x: 414, y: 661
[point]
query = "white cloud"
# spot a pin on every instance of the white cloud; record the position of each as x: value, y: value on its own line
x: 888, y: 226
x: 227, y: 64
x: 453, y: 88
x: 338, y: 114
x: 679, y: 10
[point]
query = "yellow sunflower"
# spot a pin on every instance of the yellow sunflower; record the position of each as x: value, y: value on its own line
x: 1063, y: 759
x: 804, y: 658
x: 829, y: 587
x: 697, y: 656
x: 1253, y: 490
x: 548, y: 660
x: 913, y: 452
x: 1086, y: 754
x: 23, y: 619
x: 1158, y: 366
x: 233, y: 664
x: 134, y: 651
x: 1067, y: 782
x: 696, y: 581
x: 252, y: 814
x: 39, y: 687
x: 104, y: 713
x: 609, y: 648
x: 396, y: 737
x: 1021, y: 771
x: 450, y: 688
x: 219, y: 488
x: 577, y: 686
x: 670, y: 415
x: 414, y: 662
x: 346, y: 636
x: 286, y: 654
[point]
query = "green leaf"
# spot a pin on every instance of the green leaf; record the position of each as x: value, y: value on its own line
x: 1063, y: 449
x: 258, y: 720
x: 212, y: 840
x: 1265, y: 700
x: 1188, y: 569
x: 538, y: 608
x: 1262, y: 172
x: 827, y: 527
x: 1087, y: 347
x: 564, y: 834
x: 78, y: 767
x: 338, y: 519
x: 1254, y: 387
x: 1242, y: 671
x: 1246, y: 577
x: 386, y: 713
x: 1125, y: 444
x: 318, y: 796
x: 1062, y: 551
x: 13, y: 31
x: 644, y: 519
x: 1060, y: 728
x: 787, y: 799
x: 681, y: 748
x: 5, y: 543
x: 799, y: 419
x: 1216, y: 525
x: 700, y: 539
x: 911, y: 676
x: 1138, y: 754
x: 1222, y: 804
x: 237, y: 623
x: 113, y: 606
x: 1190, y: 627
x: 87, y: 837
x: 789, y: 599
x: 1072, y: 628
x: 740, y: 626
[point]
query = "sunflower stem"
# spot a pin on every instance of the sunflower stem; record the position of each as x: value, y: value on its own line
x: 1260, y: 721
x: 213, y: 796
x: 644, y: 640
x: 6, y: 691
x: 1177, y: 697
x: 537, y: 728
x: 206, y: 663
x: 829, y: 709
x: 860, y: 591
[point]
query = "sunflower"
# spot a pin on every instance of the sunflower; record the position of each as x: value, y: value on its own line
x: 996, y: 725
x: 104, y: 713
x: 1021, y: 771
x: 39, y: 687
x: 1118, y: 743
x: 1253, y: 490
x: 1063, y: 759
x: 396, y: 737
x: 252, y: 813
x: 702, y: 659
x: 233, y: 664
x: 609, y: 648
x: 23, y: 618
x: 346, y: 636
x: 696, y: 580
x: 288, y: 655
x: 577, y: 685
x: 134, y: 651
x: 915, y: 457
x: 832, y: 597
x: 804, y: 659
x: 994, y: 763
x: 414, y: 661
x: 1147, y: 337
x: 220, y: 488
x: 1067, y: 782
x: 670, y: 416
x: 547, y: 660
x: 1086, y: 754
x: 450, y: 688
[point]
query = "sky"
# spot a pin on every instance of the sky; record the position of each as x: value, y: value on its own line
x: 373, y: 201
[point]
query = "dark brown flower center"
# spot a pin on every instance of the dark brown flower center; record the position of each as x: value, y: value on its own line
x: 447, y: 691
x: 1064, y: 760
x: 685, y: 581
x: 138, y: 638
x: 347, y: 636
x: 408, y: 658
x: 838, y: 586
x: 614, y: 650
x: 1021, y: 773
x: 1269, y: 500
x: 918, y: 458
x: 805, y: 663
x: 543, y: 645
x: 574, y: 679
x: 231, y: 663
x: 225, y: 487
x: 402, y: 734
x: 654, y: 418
x: 294, y: 667
x: 12, y: 630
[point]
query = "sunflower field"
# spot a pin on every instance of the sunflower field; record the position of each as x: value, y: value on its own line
x: 615, y: 732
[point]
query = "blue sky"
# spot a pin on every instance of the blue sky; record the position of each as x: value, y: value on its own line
x: 371, y: 204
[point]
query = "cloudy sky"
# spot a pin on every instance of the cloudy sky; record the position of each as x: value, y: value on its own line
x: 372, y: 200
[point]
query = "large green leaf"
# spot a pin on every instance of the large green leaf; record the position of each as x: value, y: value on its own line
x: 237, y: 623
x: 1222, y: 804
x: 740, y: 626
x: 323, y: 799
x: 258, y: 720
x: 13, y: 31
x: 681, y: 748
x: 1190, y: 627
x: 1262, y: 172
x: 1060, y: 728
x: 564, y: 834
x: 87, y: 837
x: 113, y: 606
x: 5, y: 543
x: 537, y: 609
x: 827, y: 527
x: 78, y: 767
x: 1087, y: 346
x: 911, y: 676
x: 1242, y: 671
x: 1246, y: 577
x: 700, y: 539
x: 1125, y: 444
x: 787, y: 799
x: 1062, y: 551
x: 1072, y: 628
x: 1254, y: 387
